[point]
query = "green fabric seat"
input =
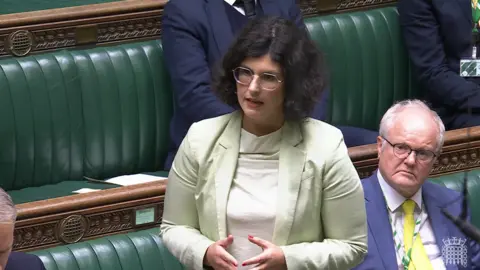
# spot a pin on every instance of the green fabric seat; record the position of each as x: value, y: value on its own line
x: 99, y: 113
x: 142, y: 250
x: 367, y: 62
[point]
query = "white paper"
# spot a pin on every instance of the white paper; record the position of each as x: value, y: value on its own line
x: 133, y: 179
x: 85, y: 190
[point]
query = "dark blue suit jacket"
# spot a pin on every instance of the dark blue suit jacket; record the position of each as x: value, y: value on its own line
x: 196, y: 35
x: 24, y: 261
x: 438, y: 33
x: 381, y: 247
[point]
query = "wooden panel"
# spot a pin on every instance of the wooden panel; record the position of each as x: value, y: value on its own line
x: 16, y: 6
x: 91, y: 25
x: 79, y: 217
x: 321, y: 7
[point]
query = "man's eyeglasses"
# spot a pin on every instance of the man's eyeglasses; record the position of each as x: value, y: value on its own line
x: 402, y: 150
x: 266, y: 81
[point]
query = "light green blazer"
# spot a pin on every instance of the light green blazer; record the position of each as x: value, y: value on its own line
x: 321, y: 220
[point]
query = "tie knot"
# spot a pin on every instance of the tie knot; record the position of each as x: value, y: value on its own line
x: 242, y: 2
x: 408, y: 207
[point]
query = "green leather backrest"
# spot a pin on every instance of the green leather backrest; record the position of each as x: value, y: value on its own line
x: 99, y: 112
x: 138, y: 250
x: 455, y: 182
x: 368, y: 65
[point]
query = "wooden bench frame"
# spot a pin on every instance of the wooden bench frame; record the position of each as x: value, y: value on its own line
x: 90, y: 25
x: 79, y: 217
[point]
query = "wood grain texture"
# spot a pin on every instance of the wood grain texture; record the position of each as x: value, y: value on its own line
x: 80, y: 217
x: 91, y: 25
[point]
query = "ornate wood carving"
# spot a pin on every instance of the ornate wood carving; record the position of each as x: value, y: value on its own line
x: 308, y: 7
x: 35, y: 235
x: 80, y: 217
x: 458, y: 154
x: 320, y: 7
x: 94, y: 25
x: 351, y: 4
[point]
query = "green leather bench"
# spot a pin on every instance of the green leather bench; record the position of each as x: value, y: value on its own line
x: 367, y: 62
x: 145, y: 250
x: 99, y: 113
x: 142, y: 250
x: 105, y: 112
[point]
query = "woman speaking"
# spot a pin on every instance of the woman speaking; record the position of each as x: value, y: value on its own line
x: 266, y: 187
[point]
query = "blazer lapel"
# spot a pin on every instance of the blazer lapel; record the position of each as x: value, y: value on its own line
x: 379, y: 225
x: 229, y: 144
x: 291, y: 163
x: 220, y: 25
x: 437, y: 220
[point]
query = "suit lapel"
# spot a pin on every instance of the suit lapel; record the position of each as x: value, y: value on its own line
x: 270, y: 7
x: 229, y: 144
x: 378, y: 222
x: 466, y: 7
x: 291, y: 163
x: 220, y: 24
x: 437, y: 220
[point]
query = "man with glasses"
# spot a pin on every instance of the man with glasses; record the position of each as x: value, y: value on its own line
x: 406, y: 228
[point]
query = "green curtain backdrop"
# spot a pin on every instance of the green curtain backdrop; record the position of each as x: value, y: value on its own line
x: 17, y: 6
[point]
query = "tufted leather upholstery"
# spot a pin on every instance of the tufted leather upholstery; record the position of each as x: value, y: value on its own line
x: 367, y: 61
x: 455, y: 181
x: 100, y: 112
x: 132, y: 251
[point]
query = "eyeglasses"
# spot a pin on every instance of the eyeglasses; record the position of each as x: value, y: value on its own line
x: 402, y: 150
x: 266, y: 81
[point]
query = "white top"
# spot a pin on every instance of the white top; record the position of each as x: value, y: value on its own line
x: 239, y: 9
x: 252, y: 201
x: 394, y: 203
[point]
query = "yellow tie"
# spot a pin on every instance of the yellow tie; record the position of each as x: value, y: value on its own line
x: 419, y: 259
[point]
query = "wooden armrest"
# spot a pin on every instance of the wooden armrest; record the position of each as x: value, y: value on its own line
x: 85, y: 216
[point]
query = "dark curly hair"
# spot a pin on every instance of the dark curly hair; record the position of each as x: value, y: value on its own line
x: 287, y: 45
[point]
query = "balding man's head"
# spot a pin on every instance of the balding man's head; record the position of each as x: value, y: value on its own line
x: 410, y: 113
x: 8, y: 215
x: 411, y: 137
x: 8, y: 212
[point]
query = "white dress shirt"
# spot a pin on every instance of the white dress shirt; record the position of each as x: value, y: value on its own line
x: 394, y: 203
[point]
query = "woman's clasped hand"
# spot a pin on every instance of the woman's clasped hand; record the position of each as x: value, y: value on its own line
x: 272, y: 256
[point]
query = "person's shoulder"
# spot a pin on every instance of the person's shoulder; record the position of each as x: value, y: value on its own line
x: 184, y: 4
x: 211, y: 125
x: 316, y: 132
x: 20, y: 260
x: 187, y: 9
x: 206, y: 131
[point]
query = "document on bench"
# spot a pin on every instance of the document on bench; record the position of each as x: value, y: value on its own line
x: 85, y: 190
x: 133, y: 179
